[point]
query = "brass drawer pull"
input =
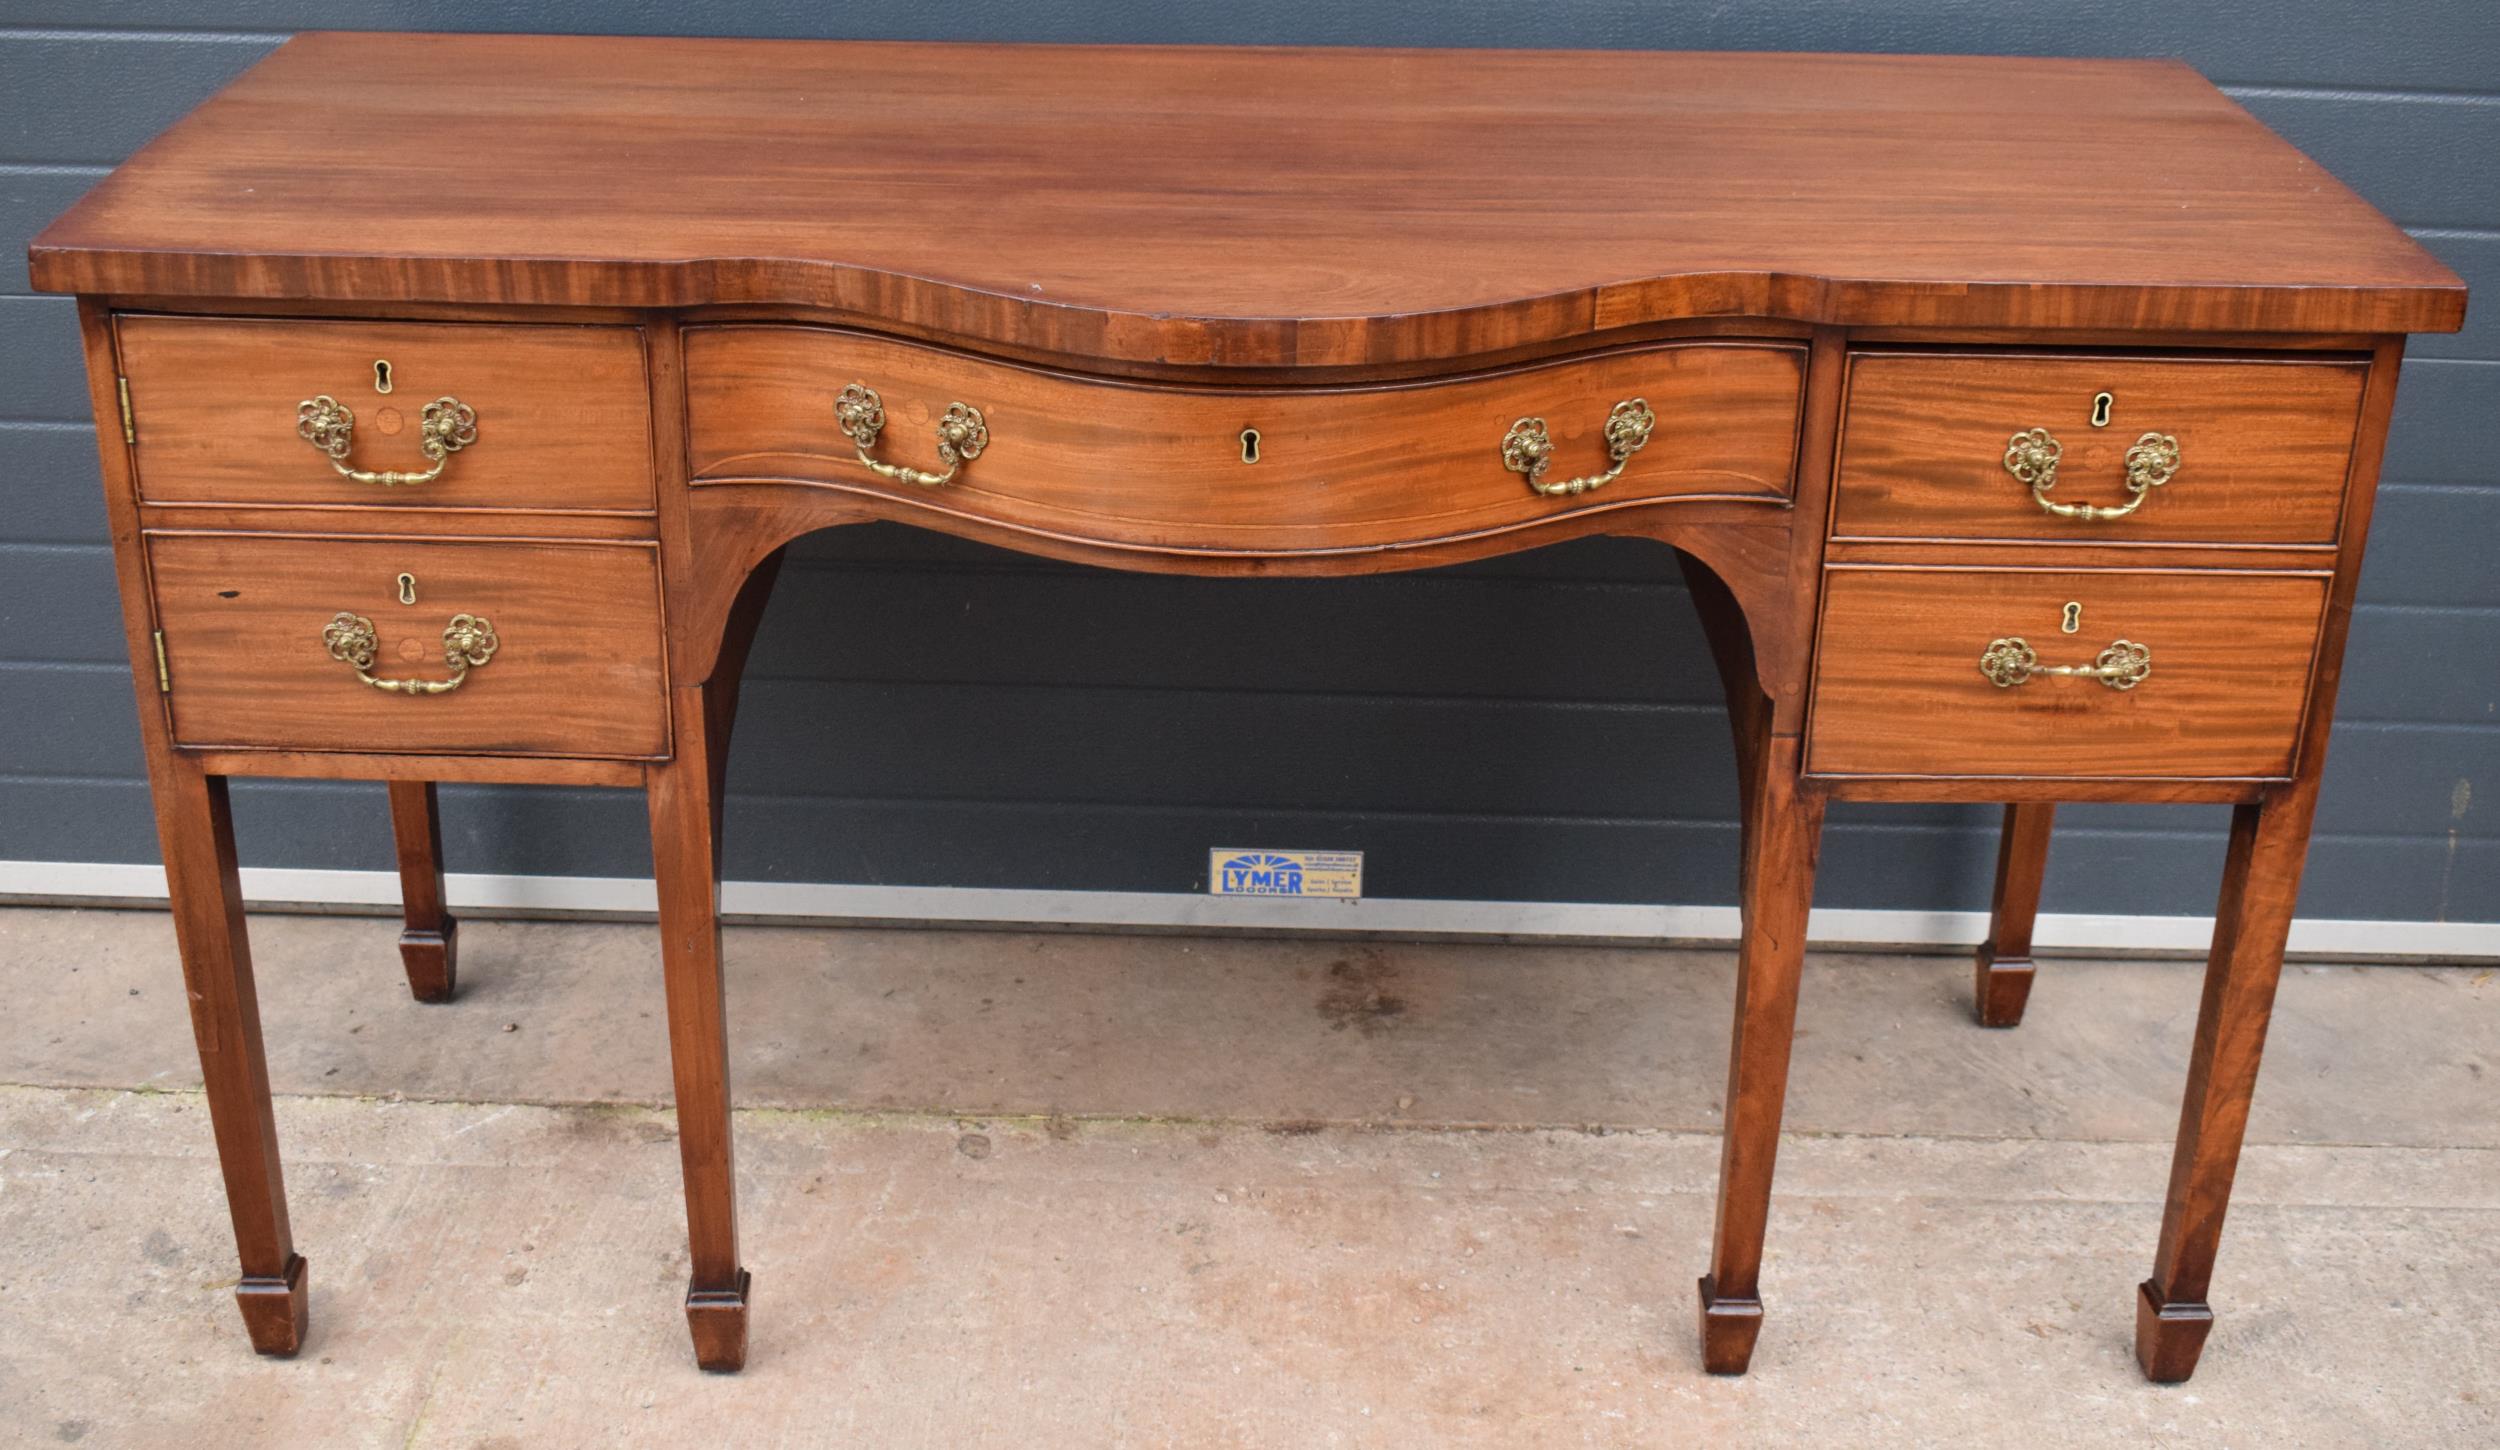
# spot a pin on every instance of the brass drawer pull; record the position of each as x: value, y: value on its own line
x: 468, y: 641
x: 1528, y: 449
x: 2031, y: 456
x: 444, y: 427
x: 961, y: 435
x: 2010, y: 662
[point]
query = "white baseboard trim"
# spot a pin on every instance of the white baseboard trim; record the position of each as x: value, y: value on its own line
x: 93, y: 883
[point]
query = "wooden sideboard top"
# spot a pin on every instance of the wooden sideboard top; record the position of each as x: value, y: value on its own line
x: 1245, y: 207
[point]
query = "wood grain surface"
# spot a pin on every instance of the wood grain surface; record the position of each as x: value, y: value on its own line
x: 1898, y: 691
x: 650, y: 266
x: 580, y: 670
x: 1245, y: 207
x: 563, y: 413
x: 1163, y: 466
x: 2265, y: 445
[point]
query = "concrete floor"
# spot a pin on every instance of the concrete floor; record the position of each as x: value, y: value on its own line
x: 1042, y: 1190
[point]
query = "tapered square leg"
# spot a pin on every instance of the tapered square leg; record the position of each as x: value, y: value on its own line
x: 429, y: 945
x: 196, y: 829
x: 2260, y: 882
x: 2002, y: 984
x: 1782, y: 834
x: 685, y: 854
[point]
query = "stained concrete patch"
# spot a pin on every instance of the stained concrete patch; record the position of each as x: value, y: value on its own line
x: 1258, y: 1030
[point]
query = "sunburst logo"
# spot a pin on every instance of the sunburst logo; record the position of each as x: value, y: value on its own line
x: 1260, y: 874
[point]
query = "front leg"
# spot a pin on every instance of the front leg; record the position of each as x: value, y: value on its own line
x: 197, y: 831
x: 1783, y: 829
x: 429, y: 944
x: 685, y: 856
x: 2260, y: 883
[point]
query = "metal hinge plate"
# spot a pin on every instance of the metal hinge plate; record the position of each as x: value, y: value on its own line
x: 130, y: 434
x: 164, y: 678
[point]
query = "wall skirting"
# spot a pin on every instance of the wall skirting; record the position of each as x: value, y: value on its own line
x: 97, y: 884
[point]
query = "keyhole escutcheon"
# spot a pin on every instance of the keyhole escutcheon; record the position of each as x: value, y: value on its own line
x: 2074, y: 617
x: 381, y: 375
x: 408, y: 589
x: 1249, y: 445
x: 2100, y: 409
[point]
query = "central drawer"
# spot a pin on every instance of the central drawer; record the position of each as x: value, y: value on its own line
x: 1243, y: 469
x: 1976, y: 672
x: 326, y: 644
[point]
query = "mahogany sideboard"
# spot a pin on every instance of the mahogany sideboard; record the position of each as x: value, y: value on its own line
x: 2016, y: 423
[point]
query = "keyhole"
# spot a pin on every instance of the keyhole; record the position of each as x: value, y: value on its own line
x: 407, y: 588
x: 2100, y: 409
x: 381, y: 375
x: 1249, y: 445
x: 2072, y: 622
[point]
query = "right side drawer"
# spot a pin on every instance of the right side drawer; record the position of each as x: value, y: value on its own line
x: 2239, y: 450
x: 2165, y: 673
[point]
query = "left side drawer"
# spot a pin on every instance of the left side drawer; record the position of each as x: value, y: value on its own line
x: 305, y: 643
x: 228, y: 410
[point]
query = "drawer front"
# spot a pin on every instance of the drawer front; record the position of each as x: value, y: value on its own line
x: 1169, y: 467
x: 1900, y: 687
x: 2263, y: 447
x: 576, y: 665
x: 560, y: 417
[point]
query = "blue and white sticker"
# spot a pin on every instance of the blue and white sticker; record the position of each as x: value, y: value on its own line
x: 1335, y: 875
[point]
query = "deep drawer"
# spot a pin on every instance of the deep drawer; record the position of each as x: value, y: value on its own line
x: 2262, y: 447
x: 556, y: 417
x: 1905, y: 685
x: 1272, y: 468
x: 263, y: 637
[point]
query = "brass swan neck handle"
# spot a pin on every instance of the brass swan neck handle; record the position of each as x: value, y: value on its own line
x: 962, y: 433
x: 444, y: 427
x: 469, y: 641
x: 2032, y: 455
x: 2011, y: 662
x: 1528, y: 449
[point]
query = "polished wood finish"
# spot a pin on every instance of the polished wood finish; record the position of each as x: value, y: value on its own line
x: 579, y: 670
x: 2004, y: 967
x: 2265, y: 446
x: 563, y: 413
x: 1842, y: 282
x: 1898, y: 690
x: 1248, y: 207
x: 1164, y: 467
x: 429, y: 945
